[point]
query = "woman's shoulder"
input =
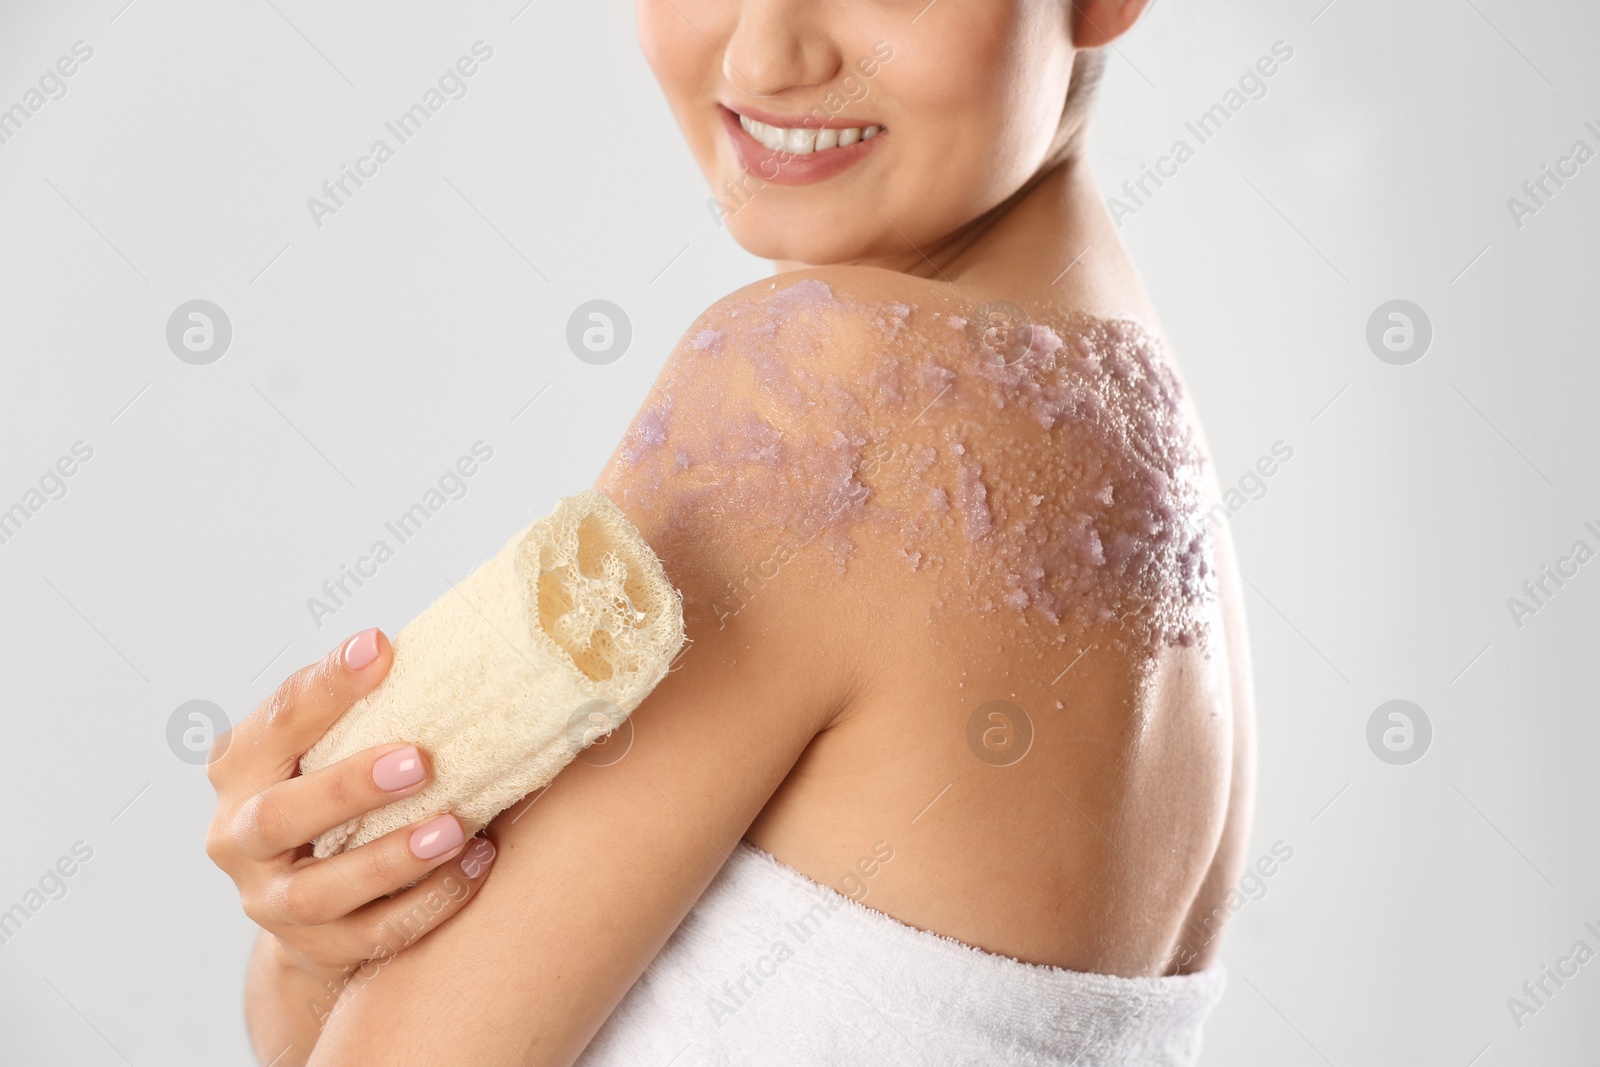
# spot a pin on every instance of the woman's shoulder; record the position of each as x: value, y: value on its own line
x: 841, y: 288
x: 751, y: 466
x: 851, y: 318
x: 821, y: 317
x: 1024, y: 459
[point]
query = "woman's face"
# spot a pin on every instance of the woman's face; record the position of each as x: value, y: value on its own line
x: 851, y: 131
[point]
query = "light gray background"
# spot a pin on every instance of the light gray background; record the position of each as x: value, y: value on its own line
x: 426, y: 315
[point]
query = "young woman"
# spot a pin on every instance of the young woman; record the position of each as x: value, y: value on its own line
x: 957, y: 768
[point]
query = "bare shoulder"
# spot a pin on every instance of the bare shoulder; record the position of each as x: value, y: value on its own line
x: 1040, y: 464
x: 752, y: 447
x: 954, y: 503
x: 978, y: 530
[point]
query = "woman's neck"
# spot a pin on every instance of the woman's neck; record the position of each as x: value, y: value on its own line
x: 1052, y: 241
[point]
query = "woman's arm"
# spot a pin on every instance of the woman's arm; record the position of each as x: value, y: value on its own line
x: 284, y: 1005
x: 595, y: 873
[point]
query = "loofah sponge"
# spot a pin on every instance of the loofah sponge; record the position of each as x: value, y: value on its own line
x: 505, y: 678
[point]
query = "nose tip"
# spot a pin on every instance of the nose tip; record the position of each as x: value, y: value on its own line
x: 771, y: 51
x: 740, y: 80
x: 758, y: 76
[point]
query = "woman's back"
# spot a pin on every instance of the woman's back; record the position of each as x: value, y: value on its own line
x: 989, y: 525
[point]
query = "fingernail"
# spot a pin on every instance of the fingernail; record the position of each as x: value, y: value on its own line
x: 399, y: 769
x: 476, y: 859
x: 436, y: 837
x: 361, y: 649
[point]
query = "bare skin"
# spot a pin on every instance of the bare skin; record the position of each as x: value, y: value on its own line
x: 824, y: 715
x: 830, y: 710
x: 1113, y: 845
x: 1107, y: 848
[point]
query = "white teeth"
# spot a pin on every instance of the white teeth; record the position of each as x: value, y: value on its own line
x: 769, y: 137
x: 803, y: 142
x: 800, y: 142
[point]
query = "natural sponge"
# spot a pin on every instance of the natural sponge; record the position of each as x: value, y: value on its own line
x: 505, y: 678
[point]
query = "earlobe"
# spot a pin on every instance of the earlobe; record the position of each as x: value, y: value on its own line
x: 1096, y: 23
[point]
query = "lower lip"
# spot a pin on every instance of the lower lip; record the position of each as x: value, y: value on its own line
x: 785, y: 168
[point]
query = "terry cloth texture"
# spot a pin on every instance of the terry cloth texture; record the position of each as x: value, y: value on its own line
x: 772, y: 969
x: 507, y: 676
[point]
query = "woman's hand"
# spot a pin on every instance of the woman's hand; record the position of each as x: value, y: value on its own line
x: 329, y: 915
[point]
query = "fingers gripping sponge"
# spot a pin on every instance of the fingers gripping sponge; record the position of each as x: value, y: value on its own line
x: 505, y: 678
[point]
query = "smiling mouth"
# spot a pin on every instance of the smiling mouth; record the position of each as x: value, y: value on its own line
x: 799, y: 149
x: 799, y: 141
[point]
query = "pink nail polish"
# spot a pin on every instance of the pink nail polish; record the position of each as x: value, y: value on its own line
x: 436, y: 837
x: 399, y: 769
x: 476, y: 859
x: 361, y: 649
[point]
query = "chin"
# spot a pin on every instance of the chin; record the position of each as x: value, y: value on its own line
x: 783, y: 240
x: 812, y: 227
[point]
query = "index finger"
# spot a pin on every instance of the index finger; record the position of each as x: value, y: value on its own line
x: 267, y: 746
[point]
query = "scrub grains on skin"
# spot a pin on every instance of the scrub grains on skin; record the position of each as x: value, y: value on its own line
x: 1066, y: 486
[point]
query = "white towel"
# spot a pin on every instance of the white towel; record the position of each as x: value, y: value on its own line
x: 769, y: 968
